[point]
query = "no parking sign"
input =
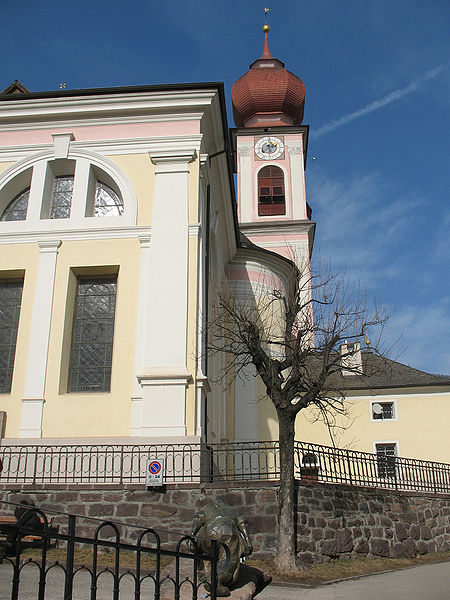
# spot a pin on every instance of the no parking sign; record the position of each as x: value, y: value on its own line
x: 154, y: 472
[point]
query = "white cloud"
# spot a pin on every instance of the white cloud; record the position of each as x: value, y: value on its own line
x: 377, y: 104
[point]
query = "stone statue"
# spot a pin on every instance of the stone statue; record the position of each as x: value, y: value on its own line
x: 221, y: 522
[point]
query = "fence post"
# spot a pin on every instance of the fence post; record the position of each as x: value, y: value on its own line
x: 394, y: 462
x: 70, y: 558
x: 121, y: 465
x: 211, y: 464
x: 349, y: 469
x: 214, y: 561
x: 35, y: 464
x: 434, y: 479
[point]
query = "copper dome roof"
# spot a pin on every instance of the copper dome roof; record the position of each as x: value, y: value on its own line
x: 268, y: 94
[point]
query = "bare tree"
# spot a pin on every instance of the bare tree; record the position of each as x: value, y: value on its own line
x: 292, y: 331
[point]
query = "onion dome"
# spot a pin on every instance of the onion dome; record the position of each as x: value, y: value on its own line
x: 268, y: 94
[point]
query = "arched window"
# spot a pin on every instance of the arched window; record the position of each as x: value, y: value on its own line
x: 17, y: 208
x: 271, y: 199
x: 107, y: 202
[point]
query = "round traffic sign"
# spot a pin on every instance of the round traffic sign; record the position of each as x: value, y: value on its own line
x: 154, y: 467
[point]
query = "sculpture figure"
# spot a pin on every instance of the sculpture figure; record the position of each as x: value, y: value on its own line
x: 221, y: 522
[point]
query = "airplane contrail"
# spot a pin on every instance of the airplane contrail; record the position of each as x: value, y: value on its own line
x: 376, y: 104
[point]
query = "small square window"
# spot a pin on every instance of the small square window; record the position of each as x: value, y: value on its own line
x: 383, y: 411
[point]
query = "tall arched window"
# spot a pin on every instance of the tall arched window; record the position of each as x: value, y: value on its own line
x: 271, y: 198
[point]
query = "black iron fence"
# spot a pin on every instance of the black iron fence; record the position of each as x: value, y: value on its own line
x: 80, y: 557
x: 126, y: 464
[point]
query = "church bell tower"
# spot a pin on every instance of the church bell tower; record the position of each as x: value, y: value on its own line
x: 270, y: 146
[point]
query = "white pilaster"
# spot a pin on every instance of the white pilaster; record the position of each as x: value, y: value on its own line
x: 161, y: 344
x: 34, y: 394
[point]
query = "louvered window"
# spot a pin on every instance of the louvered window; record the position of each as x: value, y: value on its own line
x: 93, y: 334
x: 271, y: 197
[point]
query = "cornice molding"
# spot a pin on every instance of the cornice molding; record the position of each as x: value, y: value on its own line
x: 156, y: 146
x: 277, y: 228
x: 31, y: 237
x: 68, y: 123
x: 93, y: 106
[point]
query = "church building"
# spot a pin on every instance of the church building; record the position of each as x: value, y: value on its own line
x: 118, y: 220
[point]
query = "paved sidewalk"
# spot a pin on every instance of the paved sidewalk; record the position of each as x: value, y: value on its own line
x: 427, y: 582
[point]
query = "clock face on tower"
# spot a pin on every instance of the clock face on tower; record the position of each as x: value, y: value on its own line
x: 269, y: 147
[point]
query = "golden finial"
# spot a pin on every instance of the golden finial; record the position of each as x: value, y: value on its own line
x: 266, y: 27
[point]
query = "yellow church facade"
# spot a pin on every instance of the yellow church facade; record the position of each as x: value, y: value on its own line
x: 103, y: 203
x: 119, y: 223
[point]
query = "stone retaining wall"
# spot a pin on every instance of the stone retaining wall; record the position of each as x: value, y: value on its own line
x: 332, y: 521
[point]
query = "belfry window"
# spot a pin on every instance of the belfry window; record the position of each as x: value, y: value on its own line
x: 17, y: 208
x: 271, y: 197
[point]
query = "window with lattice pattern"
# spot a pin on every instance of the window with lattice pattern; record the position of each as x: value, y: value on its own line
x: 93, y: 332
x: 61, y: 201
x: 386, y: 454
x: 17, y: 208
x: 10, y: 302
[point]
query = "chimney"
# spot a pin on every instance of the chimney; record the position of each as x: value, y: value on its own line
x: 351, y: 362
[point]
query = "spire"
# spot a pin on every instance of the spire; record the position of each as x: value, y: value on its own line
x: 266, y: 29
x: 268, y: 94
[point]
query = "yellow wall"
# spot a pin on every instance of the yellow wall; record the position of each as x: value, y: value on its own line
x: 141, y: 172
x: 4, y: 166
x: 25, y: 258
x: 421, y: 428
x: 92, y: 414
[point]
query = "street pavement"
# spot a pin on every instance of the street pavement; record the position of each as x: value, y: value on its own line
x: 427, y: 582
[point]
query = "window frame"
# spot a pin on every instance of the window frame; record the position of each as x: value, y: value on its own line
x: 37, y: 172
x: 10, y: 207
x: 9, y: 377
x: 392, y: 401
x: 73, y: 388
x: 272, y: 201
x: 386, y: 463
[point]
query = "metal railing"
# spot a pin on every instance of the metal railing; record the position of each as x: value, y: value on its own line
x: 342, y: 466
x: 94, y: 558
x: 237, y: 461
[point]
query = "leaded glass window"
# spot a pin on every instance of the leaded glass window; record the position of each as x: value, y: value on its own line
x: 17, y: 208
x: 61, y: 202
x: 107, y: 202
x: 93, y: 333
x: 10, y: 301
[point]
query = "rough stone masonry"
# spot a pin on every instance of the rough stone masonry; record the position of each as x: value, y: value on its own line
x: 333, y: 521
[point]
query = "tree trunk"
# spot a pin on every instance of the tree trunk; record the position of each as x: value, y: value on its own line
x: 285, y: 560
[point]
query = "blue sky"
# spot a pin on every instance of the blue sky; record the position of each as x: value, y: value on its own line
x: 377, y: 78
